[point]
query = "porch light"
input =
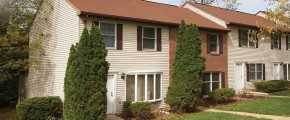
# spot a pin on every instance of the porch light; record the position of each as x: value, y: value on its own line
x: 123, y: 76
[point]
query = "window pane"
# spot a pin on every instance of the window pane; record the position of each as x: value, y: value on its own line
x: 259, y: 67
x: 149, y: 32
x: 130, y: 88
x: 109, y: 41
x: 107, y: 29
x: 158, y: 86
x: 141, y: 88
x: 285, y: 71
x: 259, y: 75
x: 289, y: 45
x: 252, y: 76
x: 215, y: 76
x: 150, y: 87
x: 244, y: 33
x: 206, y: 77
x: 213, y: 47
x: 252, y: 67
x: 275, y: 41
x: 206, y: 88
x: 148, y: 43
x: 213, y: 38
x: 215, y: 85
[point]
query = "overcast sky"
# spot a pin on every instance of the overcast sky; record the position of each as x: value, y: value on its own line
x: 249, y: 6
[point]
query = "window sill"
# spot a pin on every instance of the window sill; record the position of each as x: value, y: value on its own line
x: 251, y: 47
x: 255, y: 81
x: 111, y: 48
x: 149, y: 50
x: 215, y: 54
x: 150, y: 101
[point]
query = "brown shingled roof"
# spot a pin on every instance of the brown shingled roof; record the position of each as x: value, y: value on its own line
x: 234, y: 17
x: 141, y: 10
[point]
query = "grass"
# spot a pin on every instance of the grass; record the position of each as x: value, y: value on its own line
x: 269, y: 106
x: 8, y: 114
x: 213, y: 116
x: 282, y: 93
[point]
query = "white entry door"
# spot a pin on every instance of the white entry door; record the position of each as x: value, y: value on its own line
x: 276, y: 71
x: 239, y: 76
x: 111, y: 97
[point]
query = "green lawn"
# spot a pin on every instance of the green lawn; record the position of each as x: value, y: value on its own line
x: 8, y: 114
x: 269, y: 106
x: 213, y: 116
x: 282, y: 93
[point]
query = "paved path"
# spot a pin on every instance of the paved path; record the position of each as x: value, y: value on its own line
x: 272, y: 117
x: 275, y: 96
x: 113, y: 117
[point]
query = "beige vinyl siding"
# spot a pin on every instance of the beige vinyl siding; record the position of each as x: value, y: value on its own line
x: 263, y: 54
x: 129, y: 60
x: 61, y: 24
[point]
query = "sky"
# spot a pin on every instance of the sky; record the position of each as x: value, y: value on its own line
x: 248, y: 6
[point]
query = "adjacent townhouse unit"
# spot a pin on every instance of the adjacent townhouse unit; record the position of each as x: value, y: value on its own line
x: 249, y: 61
x: 140, y: 37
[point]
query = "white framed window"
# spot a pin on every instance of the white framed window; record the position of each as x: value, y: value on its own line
x: 245, y: 39
x: 255, y: 71
x: 108, y: 31
x: 211, y: 81
x: 275, y: 41
x: 144, y: 87
x: 149, y: 38
x: 213, y: 43
x: 286, y: 71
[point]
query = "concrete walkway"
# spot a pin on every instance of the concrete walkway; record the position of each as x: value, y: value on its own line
x: 272, y: 117
x: 275, y: 96
x: 113, y: 117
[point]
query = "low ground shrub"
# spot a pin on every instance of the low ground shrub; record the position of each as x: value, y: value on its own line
x: 126, y: 109
x: 223, y: 94
x: 272, y: 86
x: 40, y: 108
x: 142, y: 110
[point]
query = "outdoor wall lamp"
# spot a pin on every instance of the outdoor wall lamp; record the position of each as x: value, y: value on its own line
x: 123, y: 76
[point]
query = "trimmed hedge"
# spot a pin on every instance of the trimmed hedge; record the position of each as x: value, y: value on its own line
x: 140, y: 110
x: 223, y: 94
x: 40, y: 108
x: 272, y: 86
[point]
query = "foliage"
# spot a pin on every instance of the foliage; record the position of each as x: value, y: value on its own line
x: 86, y: 77
x: 277, y: 12
x: 227, y: 4
x: 268, y: 106
x: 142, y: 110
x: 213, y: 116
x: 223, y: 94
x: 126, y: 109
x: 185, y: 83
x: 272, y: 86
x: 9, y: 92
x: 40, y: 108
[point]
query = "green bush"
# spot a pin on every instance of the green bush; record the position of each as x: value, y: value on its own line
x: 85, y: 80
x: 223, y: 94
x: 272, y: 86
x: 126, y: 109
x: 186, y: 82
x: 40, y: 108
x: 142, y: 110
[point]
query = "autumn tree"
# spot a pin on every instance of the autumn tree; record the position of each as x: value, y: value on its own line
x: 227, y: 4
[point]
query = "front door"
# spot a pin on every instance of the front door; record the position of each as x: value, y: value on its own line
x: 111, y: 94
x: 239, y: 76
x: 276, y: 71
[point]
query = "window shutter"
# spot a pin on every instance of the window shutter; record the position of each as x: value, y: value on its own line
x: 119, y: 36
x: 287, y: 39
x: 96, y: 23
x: 257, y: 41
x: 208, y: 43
x: 272, y: 41
x: 280, y: 42
x: 159, y: 42
x: 240, y: 38
x: 264, y: 73
x: 223, y: 80
x: 248, y: 71
x: 285, y: 72
x: 221, y: 43
x: 139, y: 38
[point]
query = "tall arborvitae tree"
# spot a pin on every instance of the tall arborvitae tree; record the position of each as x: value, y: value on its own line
x: 185, y: 83
x: 86, y: 78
